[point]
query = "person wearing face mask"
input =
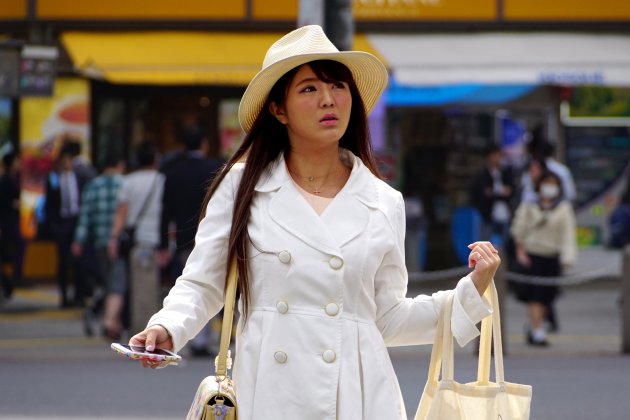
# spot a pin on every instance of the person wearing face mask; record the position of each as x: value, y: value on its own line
x: 544, y: 235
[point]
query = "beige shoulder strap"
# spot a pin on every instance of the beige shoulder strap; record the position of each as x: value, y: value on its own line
x: 224, y: 362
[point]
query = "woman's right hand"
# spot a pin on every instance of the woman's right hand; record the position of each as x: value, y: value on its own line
x: 154, y: 337
x: 522, y: 257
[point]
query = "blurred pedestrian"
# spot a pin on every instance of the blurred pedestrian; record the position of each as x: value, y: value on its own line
x: 619, y: 221
x: 80, y: 165
x: 187, y: 180
x: 491, y: 194
x: 545, y: 240
x: 62, y: 203
x: 12, y: 243
x: 98, y: 206
x: 139, y: 207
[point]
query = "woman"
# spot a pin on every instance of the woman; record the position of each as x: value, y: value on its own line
x: 319, y: 239
x: 544, y: 235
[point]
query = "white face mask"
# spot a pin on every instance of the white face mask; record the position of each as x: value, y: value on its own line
x: 549, y: 191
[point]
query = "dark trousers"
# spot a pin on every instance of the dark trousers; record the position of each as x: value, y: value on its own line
x: 12, y: 247
x: 68, y: 267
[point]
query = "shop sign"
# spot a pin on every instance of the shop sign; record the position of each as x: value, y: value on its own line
x: 383, y: 10
x: 45, y: 124
x: 571, y: 78
x: 37, y: 70
x: 599, y: 101
x: 9, y: 71
x: 29, y: 71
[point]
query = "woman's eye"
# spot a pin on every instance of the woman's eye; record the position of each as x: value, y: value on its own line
x: 309, y: 89
x: 339, y: 85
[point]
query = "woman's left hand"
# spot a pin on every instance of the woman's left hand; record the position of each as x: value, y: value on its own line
x: 484, y: 257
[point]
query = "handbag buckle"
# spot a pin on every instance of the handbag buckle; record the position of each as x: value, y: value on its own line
x: 228, y: 362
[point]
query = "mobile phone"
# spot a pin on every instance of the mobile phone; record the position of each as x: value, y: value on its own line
x: 141, y: 353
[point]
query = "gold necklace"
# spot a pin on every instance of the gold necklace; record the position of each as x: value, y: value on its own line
x: 316, y: 189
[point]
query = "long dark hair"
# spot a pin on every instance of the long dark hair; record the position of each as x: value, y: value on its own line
x: 262, y: 146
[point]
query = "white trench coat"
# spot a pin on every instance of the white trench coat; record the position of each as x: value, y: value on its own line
x: 327, y: 297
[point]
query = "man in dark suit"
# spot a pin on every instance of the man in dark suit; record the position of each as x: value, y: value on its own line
x: 187, y: 179
x: 63, y: 200
x: 491, y: 192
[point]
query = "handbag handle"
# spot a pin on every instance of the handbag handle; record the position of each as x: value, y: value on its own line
x: 442, y: 353
x: 221, y: 365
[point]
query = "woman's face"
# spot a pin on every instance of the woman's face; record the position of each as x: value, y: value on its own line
x: 316, y: 113
x: 549, y: 188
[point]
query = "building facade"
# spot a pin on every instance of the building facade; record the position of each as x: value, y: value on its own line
x: 465, y: 74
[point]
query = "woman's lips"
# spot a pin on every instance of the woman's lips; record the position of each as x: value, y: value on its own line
x: 329, y: 119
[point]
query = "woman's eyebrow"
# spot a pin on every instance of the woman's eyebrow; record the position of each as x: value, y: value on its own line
x: 308, y: 79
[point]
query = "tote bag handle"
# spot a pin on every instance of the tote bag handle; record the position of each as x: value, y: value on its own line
x: 491, y: 328
x: 442, y: 353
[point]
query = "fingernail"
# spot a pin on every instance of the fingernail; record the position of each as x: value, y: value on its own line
x: 150, y: 347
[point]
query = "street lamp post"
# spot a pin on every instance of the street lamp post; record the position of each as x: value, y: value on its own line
x: 335, y: 16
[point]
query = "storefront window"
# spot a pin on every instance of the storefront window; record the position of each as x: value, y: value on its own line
x: 109, y: 130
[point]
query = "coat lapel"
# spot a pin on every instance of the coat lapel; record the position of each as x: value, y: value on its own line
x: 349, y: 213
x: 345, y: 218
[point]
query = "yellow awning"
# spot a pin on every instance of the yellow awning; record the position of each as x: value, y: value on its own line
x: 174, y: 57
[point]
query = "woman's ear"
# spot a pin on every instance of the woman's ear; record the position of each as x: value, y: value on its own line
x: 278, y: 112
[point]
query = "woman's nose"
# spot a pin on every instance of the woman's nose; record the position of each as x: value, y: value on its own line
x: 327, y: 98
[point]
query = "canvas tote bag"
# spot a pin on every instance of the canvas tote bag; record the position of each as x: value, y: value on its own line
x: 481, y: 400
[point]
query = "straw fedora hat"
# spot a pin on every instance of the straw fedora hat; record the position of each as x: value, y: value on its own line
x: 298, y: 47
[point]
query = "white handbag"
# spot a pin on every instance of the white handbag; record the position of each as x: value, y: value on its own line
x: 481, y: 400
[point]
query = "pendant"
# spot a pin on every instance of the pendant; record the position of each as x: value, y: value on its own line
x: 311, y: 178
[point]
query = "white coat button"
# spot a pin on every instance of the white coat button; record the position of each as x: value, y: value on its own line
x: 329, y: 356
x: 282, y: 307
x: 284, y: 257
x: 336, y: 263
x: 280, y: 356
x: 332, y: 309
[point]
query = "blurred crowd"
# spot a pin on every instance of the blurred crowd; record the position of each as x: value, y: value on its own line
x: 532, y: 216
x: 122, y: 232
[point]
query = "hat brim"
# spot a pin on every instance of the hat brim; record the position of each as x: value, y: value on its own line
x: 370, y: 76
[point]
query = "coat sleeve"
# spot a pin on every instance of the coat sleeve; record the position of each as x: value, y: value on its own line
x: 410, y: 321
x: 198, y: 293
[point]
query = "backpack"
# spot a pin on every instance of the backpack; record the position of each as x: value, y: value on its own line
x: 619, y: 224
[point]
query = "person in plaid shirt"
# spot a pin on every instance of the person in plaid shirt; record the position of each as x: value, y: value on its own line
x: 98, y: 206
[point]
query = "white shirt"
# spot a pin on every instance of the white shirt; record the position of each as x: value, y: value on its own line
x: 135, y: 189
x: 69, y: 190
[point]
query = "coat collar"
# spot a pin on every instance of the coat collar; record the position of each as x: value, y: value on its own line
x: 361, y: 183
x: 345, y: 218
